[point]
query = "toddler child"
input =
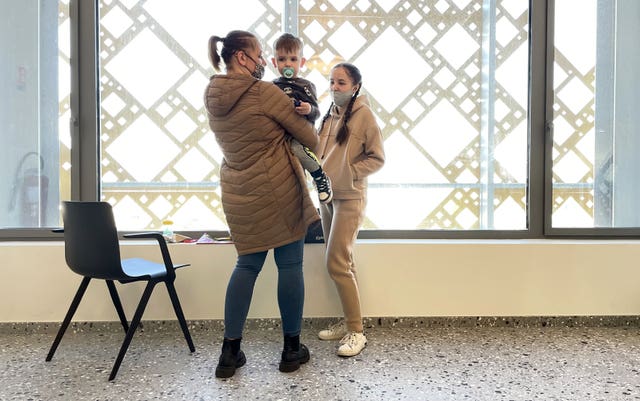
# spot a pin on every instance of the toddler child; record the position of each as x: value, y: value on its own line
x: 288, y: 60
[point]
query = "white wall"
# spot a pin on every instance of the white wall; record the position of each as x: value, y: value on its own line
x: 397, y: 278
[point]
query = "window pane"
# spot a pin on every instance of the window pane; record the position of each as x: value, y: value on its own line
x: 34, y: 123
x: 159, y: 157
x: 448, y: 81
x: 595, y: 145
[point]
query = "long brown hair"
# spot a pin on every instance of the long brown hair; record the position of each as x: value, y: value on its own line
x: 233, y: 42
x: 356, y: 79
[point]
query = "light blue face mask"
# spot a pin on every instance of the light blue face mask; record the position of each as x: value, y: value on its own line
x: 288, y: 72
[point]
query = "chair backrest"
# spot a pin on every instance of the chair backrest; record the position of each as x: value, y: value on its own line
x: 91, y: 240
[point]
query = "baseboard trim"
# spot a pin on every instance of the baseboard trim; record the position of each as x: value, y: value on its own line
x: 369, y: 323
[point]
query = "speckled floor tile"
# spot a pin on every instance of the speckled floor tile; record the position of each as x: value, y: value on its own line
x: 399, y: 363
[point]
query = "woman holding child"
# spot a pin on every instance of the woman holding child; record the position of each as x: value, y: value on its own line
x: 263, y: 191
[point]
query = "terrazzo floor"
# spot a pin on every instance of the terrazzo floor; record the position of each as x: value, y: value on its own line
x: 399, y: 363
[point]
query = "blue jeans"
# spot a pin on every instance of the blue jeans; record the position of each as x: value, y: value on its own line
x: 288, y: 258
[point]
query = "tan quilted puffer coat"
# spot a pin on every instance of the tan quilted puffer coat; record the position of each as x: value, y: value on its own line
x: 264, y: 191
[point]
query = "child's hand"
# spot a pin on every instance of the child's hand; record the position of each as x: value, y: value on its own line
x: 302, y: 108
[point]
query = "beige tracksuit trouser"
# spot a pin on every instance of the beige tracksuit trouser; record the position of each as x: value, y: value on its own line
x: 341, y: 220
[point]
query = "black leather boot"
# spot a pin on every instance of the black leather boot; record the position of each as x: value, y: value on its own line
x: 293, y: 354
x: 231, y: 358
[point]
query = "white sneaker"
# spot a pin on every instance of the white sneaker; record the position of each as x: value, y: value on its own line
x: 334, y: 332
x: 352, y: 344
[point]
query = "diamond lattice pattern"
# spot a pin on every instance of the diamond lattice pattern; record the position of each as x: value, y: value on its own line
x: 452, y: 107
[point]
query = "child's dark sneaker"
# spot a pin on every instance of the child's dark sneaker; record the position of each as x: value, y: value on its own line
x: 323, y: 185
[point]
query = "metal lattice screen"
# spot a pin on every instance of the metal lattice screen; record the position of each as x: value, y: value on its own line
x: 427, y: 65
x: 574, y: 119
x: 446, y: 79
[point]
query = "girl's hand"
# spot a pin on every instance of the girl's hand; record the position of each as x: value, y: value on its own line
x: 303, y: 108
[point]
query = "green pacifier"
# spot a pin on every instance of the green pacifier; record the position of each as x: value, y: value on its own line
x: 288, y: 72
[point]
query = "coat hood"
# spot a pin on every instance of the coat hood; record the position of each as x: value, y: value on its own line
x: 224, y: 92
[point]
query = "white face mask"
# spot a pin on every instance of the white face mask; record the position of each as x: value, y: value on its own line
x: 341, y: 99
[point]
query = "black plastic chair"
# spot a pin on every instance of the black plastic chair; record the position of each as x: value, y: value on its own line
x: 92, y: 250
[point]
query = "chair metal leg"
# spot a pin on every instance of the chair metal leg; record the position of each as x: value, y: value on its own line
x: 132, y: 327
x: 178, y: 309
x: 116, y: 302
x: 67, y: 319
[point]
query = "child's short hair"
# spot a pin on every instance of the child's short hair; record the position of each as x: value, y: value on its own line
x: 288, y: 43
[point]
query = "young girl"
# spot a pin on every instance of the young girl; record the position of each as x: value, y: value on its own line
x: 350, y: 149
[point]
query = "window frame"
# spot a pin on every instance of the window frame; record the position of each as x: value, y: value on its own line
x: 85, y: 134
x: 569, y: 232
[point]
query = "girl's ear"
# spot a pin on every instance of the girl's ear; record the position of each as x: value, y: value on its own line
x: 302, y: 61
x: 273, y: 61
